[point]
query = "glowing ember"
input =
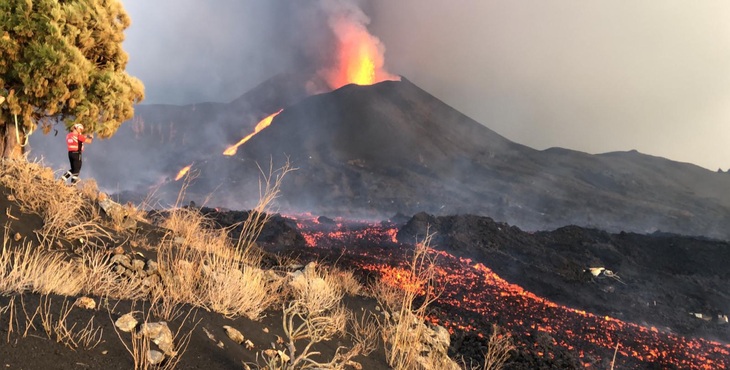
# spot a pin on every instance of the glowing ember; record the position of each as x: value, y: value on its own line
x: 183, y: 172
x: 264, y: 123
x: 475, y: 296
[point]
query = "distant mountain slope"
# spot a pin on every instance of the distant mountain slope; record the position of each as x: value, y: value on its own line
x: 392, y: 147
x: 373, y: 151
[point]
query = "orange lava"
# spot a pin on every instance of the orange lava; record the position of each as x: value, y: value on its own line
x: 183, y: 172
x: 360, y: 56
x: 482, y: 297
x: 264, y: 123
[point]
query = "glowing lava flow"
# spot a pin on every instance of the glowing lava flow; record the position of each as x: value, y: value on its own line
x: 264, y: 123
x: 475, y: 297
x: 183, y: 172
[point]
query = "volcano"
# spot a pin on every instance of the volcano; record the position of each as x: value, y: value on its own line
x: 374, y: 151
x: 377, y: 150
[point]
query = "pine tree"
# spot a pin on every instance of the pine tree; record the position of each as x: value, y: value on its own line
x: 62, y: 61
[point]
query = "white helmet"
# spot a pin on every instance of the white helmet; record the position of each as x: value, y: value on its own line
x: 79, y: 126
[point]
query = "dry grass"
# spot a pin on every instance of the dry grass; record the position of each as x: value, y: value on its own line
x: 364, y: 332
x: 499, y: 348
x: 314, y: 313
x: 65, y: 211
x: 402, y: 327
x: 26, y: 268
x: 200, y: 265
x: 54, y: 324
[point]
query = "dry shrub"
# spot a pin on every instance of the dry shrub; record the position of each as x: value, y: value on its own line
x: 499, y: 348
x: 316, y: 290
x: 403, y: 328
x: 65, y: 212
x: 53, y: 324
x: 346, y: 280
x: 364, y: 332
x: 201, y: 265
x: 26, y: 268
x: 56, y: 326
x: 314, y: 314
x: 269, y: 189
x: 101, y: 280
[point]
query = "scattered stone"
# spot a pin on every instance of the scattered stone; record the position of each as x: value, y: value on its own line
x: 266, y: 330
x: 209, y: 334
x: 122, y: 260
x: 17, y: 237
x: 151, y: 267
x: 161, y: 335
x: 249, y: 344
x: 85, y: 303
x: 104, y: 352
x: 234, y: 334
x: 126, y: 323
x: 154, y: 357
x: 138, y: 265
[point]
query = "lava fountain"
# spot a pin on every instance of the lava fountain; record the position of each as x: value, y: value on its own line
x: 360, y: 56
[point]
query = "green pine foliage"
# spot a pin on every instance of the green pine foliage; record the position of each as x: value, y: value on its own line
x: 62, y: 61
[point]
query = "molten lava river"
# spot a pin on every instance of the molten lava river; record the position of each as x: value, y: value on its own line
x: 475, y: 297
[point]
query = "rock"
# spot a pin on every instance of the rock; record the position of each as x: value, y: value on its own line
x: 138, y: 265
x: 234, y: 334
x: 122, y: 260
x: 154, y: 357
x: 126, y: 323
x: 17, y: 237
x: 86, y: 303
x: 151, y: 267
x: 161, y: 335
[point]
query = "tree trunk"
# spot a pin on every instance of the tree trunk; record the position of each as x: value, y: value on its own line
x: 9, y: 145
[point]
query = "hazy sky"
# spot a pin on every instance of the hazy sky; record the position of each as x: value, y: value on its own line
x: 594, y: 76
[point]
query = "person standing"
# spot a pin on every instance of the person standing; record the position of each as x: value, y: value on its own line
x: 75, y: 141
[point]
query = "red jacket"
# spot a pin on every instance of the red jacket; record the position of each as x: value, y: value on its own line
x: 74, y: 142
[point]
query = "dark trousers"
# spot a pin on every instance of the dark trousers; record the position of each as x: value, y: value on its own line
x: 75, y: 159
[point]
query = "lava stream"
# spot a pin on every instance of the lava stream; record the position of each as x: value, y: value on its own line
x: 477, y: 297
